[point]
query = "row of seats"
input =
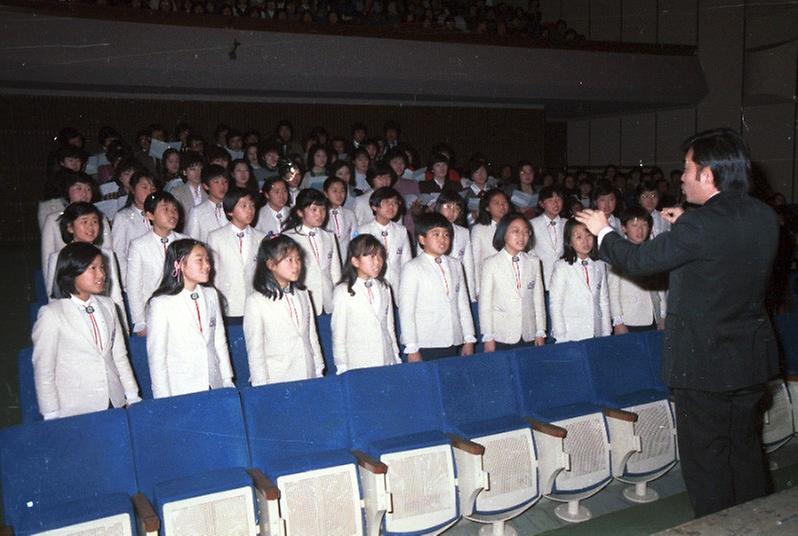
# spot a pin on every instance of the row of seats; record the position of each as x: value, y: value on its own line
x: 391, y: 450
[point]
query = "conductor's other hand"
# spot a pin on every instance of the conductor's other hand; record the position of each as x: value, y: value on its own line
x: 594, y: 220
x: 671, y: 214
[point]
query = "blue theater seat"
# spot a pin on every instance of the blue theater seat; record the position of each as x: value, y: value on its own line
x: 324, y: 328
x: 623, y: 378
x: 28, y: 404
x: 554, y: 387
x: 395, y: 416
x: 141, y: 366
x: 480, y: 403
x: 299, y: 439
x: 237, y: 345
x: 70, y: 471
x: 191, y: 457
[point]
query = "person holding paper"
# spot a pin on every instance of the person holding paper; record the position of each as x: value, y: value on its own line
x: 317, y: 162
x: 522, y: 192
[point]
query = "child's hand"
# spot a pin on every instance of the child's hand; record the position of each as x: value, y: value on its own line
x: 142, y: 333
x: 489, y: 346
x: 540, y: 341
x: 468, y: 349
x: 621, y: 329
x: 414, y: 357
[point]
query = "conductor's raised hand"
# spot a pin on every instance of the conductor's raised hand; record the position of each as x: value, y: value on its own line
x: 594, y: 220
x: 671, y: 214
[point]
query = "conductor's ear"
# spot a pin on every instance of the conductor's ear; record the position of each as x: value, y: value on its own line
x: 706, y: 176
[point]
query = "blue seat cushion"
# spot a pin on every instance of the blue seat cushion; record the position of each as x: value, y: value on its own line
x: 306, y: 462
x: 199, y: 484
x: 409, y: 442
x: 567, y: 411
x: 69, y: 513
x: 492, y: 426
x: 635, y: 398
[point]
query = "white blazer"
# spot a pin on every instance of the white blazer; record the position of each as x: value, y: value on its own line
x: 398, y: 248
x: 341, y: 222
x: 47, y: 207
x: 322, y: 266
x: 578, y: 312
x: 112, y: 284
x: 634, y: 302
x: 129, y: 224
x: 482, y: 247
x: 182, y: 358
x: 204, y: 219
x: 281, y: 347
x: 51, y: 236
x: 548, y: 251
x: 462, y: 251
x: 660, y: 225
x: 507, y: 313
x: 362, y: 209
x: 363, y: 336
x: 431, y: 318
x: 270, y: 222
x: 145, y: 262
x: 182, y: 193
x: 234, y: 269
x: 72, y: 375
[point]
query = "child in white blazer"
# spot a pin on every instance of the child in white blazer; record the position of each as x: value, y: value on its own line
x: 636, y: 303
x: 382, y: 176
x: 186, y: 343
x: 492, y: 207
x: 433, y: 305
x: 235, y: 249
x: 363, y: 328
x: 548, y: 230
x: 341, y: 220
x: 131, y: 222
x: 146, y: 255
x: 511, y: 307
x: 209, y: 215
x: 321, y: 258
x: 450, y: 205
x: 273, y: 215
x: 77, y: 187
x: 579, y: 294
x: 82, y: 222
x: 80, y: 363
x: 385, y: 203
x: 279, y: 325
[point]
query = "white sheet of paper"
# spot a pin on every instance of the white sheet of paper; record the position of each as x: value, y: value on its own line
x: 158, y: 147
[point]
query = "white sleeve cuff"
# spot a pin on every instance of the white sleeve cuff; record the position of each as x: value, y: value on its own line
x: 616, y: 320
x: 487, y: 337
x: 138, y: 326
x: 604, y: 232
x: 132, y: 398
x: 540, y: 334
x: 469, y: 339
x: 411, y: 349
x: 228, y: 383
x: 50, y: 416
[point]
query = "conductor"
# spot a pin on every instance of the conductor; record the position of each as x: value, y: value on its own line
x: 719, y: 348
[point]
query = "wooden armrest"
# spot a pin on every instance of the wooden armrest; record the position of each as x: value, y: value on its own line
x: 791, y: 377
x: 620, y: 414
x: 146, y: 513
x: 370, y: 464
x: 466, y: 445
x: 265, y: 485
x: 546, y: 428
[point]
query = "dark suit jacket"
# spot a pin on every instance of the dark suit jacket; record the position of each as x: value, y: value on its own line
x: 717, y: 334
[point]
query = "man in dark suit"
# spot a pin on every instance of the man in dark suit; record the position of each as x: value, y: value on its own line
x: 719, y: 348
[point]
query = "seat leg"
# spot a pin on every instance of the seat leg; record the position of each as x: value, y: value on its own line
x: 497, y: 528
x: 640, y: 493
x: 573, y: 512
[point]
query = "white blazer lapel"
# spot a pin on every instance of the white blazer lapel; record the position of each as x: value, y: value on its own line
x: 74, y: 315
x: 109, y: 317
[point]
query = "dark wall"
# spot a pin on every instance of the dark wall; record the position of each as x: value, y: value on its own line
x: 30, y: 124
